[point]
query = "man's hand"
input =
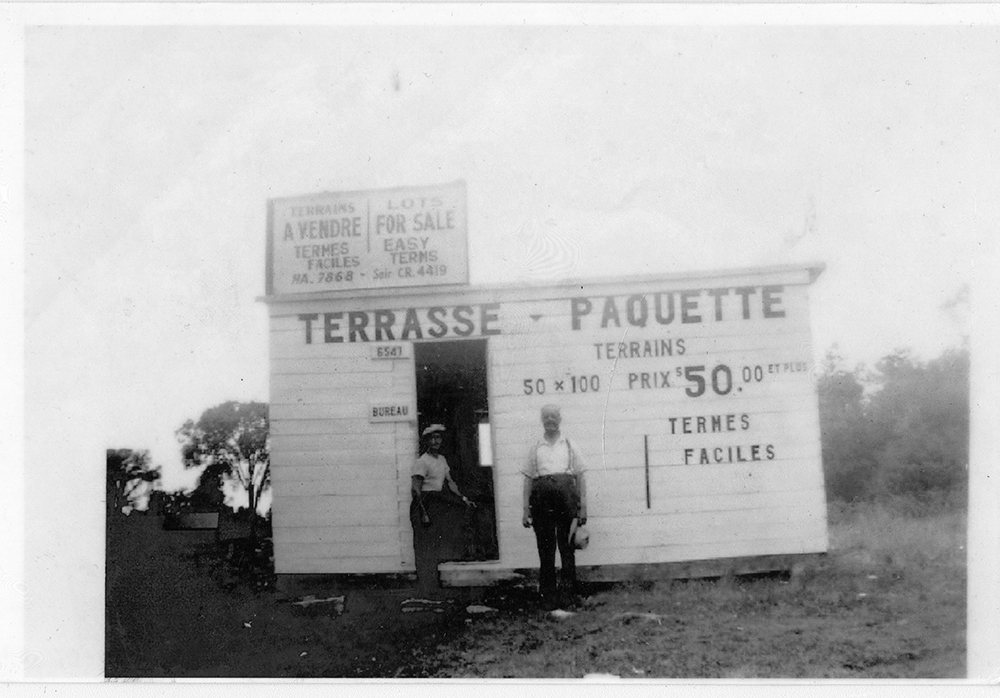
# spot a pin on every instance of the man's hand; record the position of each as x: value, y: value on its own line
x: 526, y: 521
x: 582, y: 520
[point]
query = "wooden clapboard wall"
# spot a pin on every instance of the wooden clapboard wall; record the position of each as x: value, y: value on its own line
x: 341, y: 483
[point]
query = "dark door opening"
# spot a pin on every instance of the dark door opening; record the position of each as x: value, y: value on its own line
x: 452, y: 390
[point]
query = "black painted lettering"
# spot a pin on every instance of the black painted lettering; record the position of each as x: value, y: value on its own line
x: 357, y: 321
x: 610, y: 312
x: 308, y: 318
x: 465, y: 326
x: 384, y: 320
x: 689, y: 303
x: 718, y: 293
x: 771, y: 299
x: 411, y: 324
x: 488, y: 314
x: 329, y: 327
x: 745, y: 292
x: 636, y: 310
x: 578, y: 308
x: 435, y: 315
x: 658, y: 306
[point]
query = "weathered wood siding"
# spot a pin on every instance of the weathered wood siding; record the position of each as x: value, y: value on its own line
x: 341, y: 483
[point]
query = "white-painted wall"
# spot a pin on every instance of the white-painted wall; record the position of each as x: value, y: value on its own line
x: 341, y: 482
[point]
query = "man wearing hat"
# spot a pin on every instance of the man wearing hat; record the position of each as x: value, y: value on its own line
x: 432, y: 510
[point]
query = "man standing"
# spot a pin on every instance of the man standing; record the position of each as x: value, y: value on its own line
x: 437, y: 524
x: 554, y: 495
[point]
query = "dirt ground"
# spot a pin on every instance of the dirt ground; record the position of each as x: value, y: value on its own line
x: 888, y: 602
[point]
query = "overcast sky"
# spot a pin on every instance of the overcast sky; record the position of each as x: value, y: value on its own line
x: 150, y: 153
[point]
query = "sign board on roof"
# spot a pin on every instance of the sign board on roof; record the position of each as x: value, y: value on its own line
x: 339, y: 241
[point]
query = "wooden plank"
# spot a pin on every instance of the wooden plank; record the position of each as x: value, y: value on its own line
x: 382, y: 440
x: 474, y: 575
x: 320, y: 465
x: 617, y: 452
x: 378, y: 501
x: 689, y: 480
x: 608, y: 447
x: 636, y: 425
x: 642, y: 527
x: 332, y: 550
x: 365, y: 486
x: 676, y: 536
x: 641, y: 344
x: 289, y: 384
x: 324, y: 534
x: 615, y: 504
x: 704, y: 550
x: 335, y: 396
x: 657, y: 528
x: 616, y: 398
x: 521, y: 551
x: 345, y: 565
x: 321, y: 363
x: 332, y: 510
x: 319, y: 427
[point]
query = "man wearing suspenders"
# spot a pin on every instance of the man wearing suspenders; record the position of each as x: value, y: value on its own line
x: 554, y: 496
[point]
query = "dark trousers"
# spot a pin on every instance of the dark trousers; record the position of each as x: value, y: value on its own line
x: 441, y: 539
x: 553, y: 503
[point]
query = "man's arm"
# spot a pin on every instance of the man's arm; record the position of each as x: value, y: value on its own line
x: 579, y: 469
x: 453, y: 486
x: 529, y: 476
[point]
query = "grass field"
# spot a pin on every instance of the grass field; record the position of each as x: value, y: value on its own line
x: 889, y: 601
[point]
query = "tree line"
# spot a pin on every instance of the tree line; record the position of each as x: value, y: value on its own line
x: 900, y: 429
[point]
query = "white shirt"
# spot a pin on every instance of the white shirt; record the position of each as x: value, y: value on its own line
x: 554, y: 459
x: 433, y: 469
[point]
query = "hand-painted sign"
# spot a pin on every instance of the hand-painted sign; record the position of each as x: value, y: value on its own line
x: 336, y: 241
x: 391, y: 412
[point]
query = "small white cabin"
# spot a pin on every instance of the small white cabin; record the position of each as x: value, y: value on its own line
x: 692, y: 398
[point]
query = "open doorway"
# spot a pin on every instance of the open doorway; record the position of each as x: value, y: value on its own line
x: 452, y: 390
